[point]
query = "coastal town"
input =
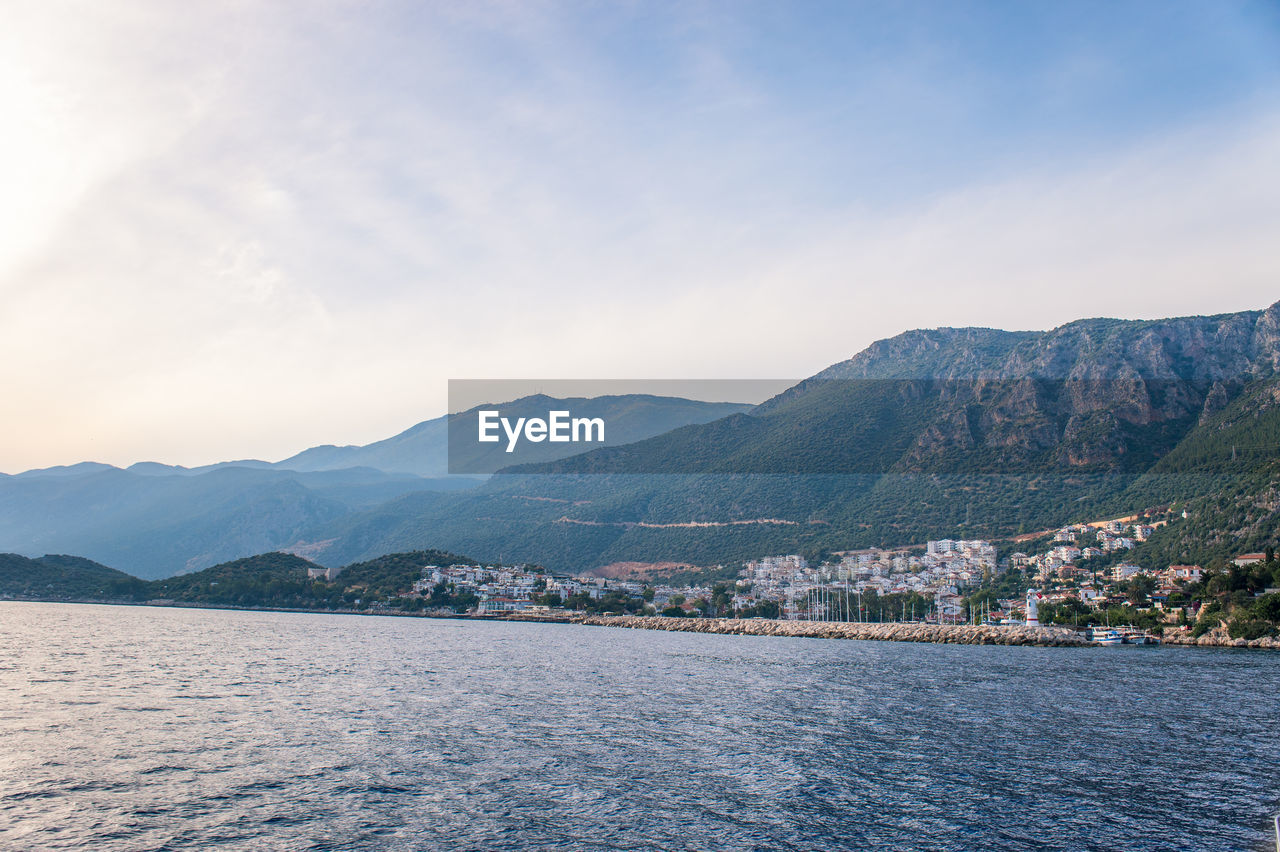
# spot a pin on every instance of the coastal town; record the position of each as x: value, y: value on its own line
x: 1076, y: 575
x: 1101, y: 582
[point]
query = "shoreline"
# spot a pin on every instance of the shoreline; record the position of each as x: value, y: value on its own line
x: 1045, y: 636
x: 939, y: 634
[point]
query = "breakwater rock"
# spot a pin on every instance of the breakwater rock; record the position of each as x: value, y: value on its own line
x: 952, y: 634
x: 1217, y: 638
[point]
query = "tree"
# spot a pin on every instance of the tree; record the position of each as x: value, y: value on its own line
x: 720, y: 598
x: 1139, y: 589
x: 579, y: 601
x: 764, y: 609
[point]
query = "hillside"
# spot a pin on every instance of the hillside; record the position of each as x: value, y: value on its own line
x: 276, y: 580
x: 56, y: 577
x: 1095, y: 396
x: 1227, y: 474
x: 280, y: 578
x: 929, y: 434
x: 1015, y: 432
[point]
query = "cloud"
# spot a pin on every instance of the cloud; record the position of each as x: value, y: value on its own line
x: 240, y: 231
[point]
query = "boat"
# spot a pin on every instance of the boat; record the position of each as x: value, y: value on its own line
x: 1104, y: 636
x: 1131, y: 635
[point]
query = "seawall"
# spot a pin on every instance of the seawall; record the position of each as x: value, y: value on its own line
x: 951, y: 634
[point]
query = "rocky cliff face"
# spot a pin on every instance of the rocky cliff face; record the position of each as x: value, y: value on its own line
x: 938, y: 353
x: 1266, y: 338
x: 1227, y: 347
x: 1096, y: 394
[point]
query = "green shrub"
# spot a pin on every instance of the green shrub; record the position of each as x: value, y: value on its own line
x: 1208, y: 620
x: 1250, y: 628
x: 1266, y: 608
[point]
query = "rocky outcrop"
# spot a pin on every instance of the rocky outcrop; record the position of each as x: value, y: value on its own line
x: 1201, y: 349
x: 1266, y: 338
x: 949, y: 634
x: 1097, y: 394
x: 1217, y: 638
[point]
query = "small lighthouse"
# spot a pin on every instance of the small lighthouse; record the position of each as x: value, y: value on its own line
x: 1033, y: 613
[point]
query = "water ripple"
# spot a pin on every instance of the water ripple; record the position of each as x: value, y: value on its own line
x: 129, y: 728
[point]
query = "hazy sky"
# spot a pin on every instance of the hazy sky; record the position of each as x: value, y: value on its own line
x: 236, y: 230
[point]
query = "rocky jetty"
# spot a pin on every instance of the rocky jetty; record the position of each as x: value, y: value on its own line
x: 948, y: 634
x: 951, y: 634
x: 1217, y: 638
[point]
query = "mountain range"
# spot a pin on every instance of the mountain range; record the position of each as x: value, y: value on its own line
x: 932, y: 433
x: 157, y: 520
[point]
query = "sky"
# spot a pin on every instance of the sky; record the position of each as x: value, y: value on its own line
x: 236, y: 230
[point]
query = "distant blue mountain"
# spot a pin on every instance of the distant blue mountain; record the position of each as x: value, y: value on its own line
x: 80, y: 469
x: 156, y: 520
x: 423, y: 449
